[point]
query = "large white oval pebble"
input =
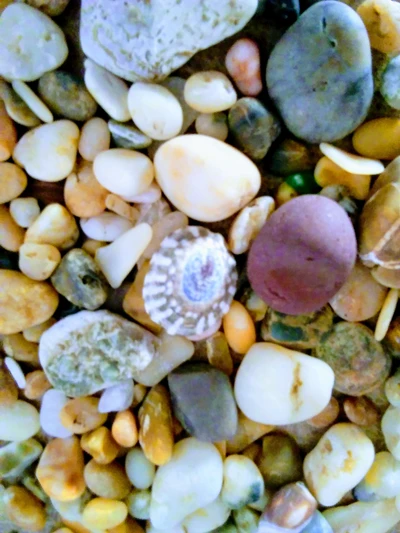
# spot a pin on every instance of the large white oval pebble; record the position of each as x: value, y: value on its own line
x: 155, y: 110
x: 123, y: 172
x: 139, y: 469
x: 117, y: 398
x: 48, y: 152
x: 190, y: 480
x: 275, y: 385
x: 105, y: 227
x: 19, y: 421
x: 338, y: 463
x: 207, y: 518
x: 52, y: 403
x: 205, y: 178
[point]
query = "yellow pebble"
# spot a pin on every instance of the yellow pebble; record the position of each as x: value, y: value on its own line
x: 55, y: 225
x: 327, y: 173
x: 139, y: 393
x: 382, y: 20
x: 124, y: 429
x: 13, y: 182
x: 38, y: 261
x: 378, y: 138
x: 81, y: 415
x: 91, y: 246
x: 20, y: 349
x: 248, y: 432
x: 100, y: 445
x: 107, y: 481
x: 11, y: 235
x: 34, y: 333
x: 284, y: 193
x: 8, y: 134
x: 239, y: 328
x: 36, y: 385
x: 24, y: 509
x: 386, y: 314
x: 104, y: 513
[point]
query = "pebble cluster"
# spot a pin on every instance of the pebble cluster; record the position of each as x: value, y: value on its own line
x: 200, y: 272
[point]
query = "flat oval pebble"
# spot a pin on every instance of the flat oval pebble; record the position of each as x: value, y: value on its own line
x: 30, y: 43
x: 275, y: 385
x: 139, y: 469
x: 319, y: 73
x: 303, y: 255
x: 52, y: 403
x: 190, y: 480
x: 13, y: 182
x: 19, y: 421
x: 186, y: 168
x: 367, y: 517
x: 16, y: 107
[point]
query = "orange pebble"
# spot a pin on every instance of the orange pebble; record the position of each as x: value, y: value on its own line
x: 239, y: 328
x: 8, y: 134
x: 326, y: 417
x: 124, y: 429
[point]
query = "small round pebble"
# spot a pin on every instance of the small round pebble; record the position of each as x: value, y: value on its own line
x: 243, y: 64
x: 243, y: 483
x: 212, y: 124
x: 13, y: 182
x: 104, y: 513
x: 138, y: 502
x: 84, y: 196
x: 390, y: 83
x: 280, y: 461
x: 107, y: 481
x: 38, y: 261
x: 105, y: 227
x: 209, y: 92
x: 139, y: 469
x: 19, y: 421
x: 24, y: 211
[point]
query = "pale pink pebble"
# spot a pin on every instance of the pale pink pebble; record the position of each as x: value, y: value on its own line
x: 243, y: 64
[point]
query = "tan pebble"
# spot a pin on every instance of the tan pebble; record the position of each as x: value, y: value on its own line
x: 60, y: 469
x: 107, y: 481
x: 327, y: 416
x: 8, y: 387
x: 253, y: 451
x: 63, y: 530
x: 81, y: 415
x: 91, y: 246
x: 8, y: 134
x: 104, y: 513
x: 139, y: 393
x: 101, y: 445
x: 20, y: 349
x: 11, y: 235
x: 24, y: 509
x: 34, y: 103
x: 95, y: 138
x: 117, y: 205
x: 354, y: 164
x: 83, y: 194
x: 378, y: 138
x: 382, y: 20
x: 124, y: 429
x: 209, y: 92
x: 24, y: 211
x: 13, y: 182
x: 248, y: 432
x: 38, y: 261
x: 327, y: 173
x: 36, y: 385
x: 243, y: 64
x: 130, y: 526
x: 34, y: 333
x: 248, y: 223
x: 212, y: 124
x: 361, y: 411
x: 164, y: 227
x: 239, y: 328
x: 218, y: 353
x: 387, y: 277
x: 386, y: 314
x: 156, y: 435
x: 55, y: 225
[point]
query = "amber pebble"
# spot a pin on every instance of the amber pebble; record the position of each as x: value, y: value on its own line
x: 326, y: 417
x: 11, y: 235
x: 101, y: 445
x: 329, y: 173
x: 239, y: 328
x: 81, y: 415
x: 13, y: 182
x: 361, y: 411
x: 218, y: 353
x: 382, y: 20
x: 107, y: 481
x: 378, y: 138
x: 20, y: 349
x: 8, y: 387
x: 8, y: 134
x: 388, y: 277
x: 24, y: 509
x: 36, y: 385
x: 392, y: 339
x: 124, y: 429
x: 83, y: 194
x: 280, y: 461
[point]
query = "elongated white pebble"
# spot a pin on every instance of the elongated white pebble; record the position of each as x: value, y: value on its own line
x: 355, y: 164
x: 338, y: 463
x: 123, y: 172
x: 139, y: 469
x: 155, y: 110
x: 149, y: 196
x: 105, y: 227
x: 391, y: 430
x: 24, y: 211
x: 118, y: 397
x: 34, y: 103
x: 52, y: 403
x: 386, y: 314
x: 19, y: 421
x: 118, y: 258
x: 209, y: 92
x: 110, y: 92
x: 207, y: 518
x: 16, y: 371
x: 243, y: 482
x: 364, y: 517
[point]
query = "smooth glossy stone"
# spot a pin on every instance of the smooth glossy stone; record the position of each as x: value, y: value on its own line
x: 138, y: 503
x: 11, y: 235
x: 390, y: 83
x: 291, y: 156
x: 52, y: 8
x: 24, y: 509
x: 382, y: 480
x: 104, y: 513
x: 212, y: 124
x: 323, y: 91
x: 38, y: 261
x: 246, y: 520
x: 253, y: 127
x: 117, y: 398
x: 203, y: 402
x: 16, y: 108
x: 207, y: 518
x: 280, y: 461
x: 106, y: 227
x: 243, y: 483
x: 391, y: 430
x: 242, y: 62
x: 352, y: 163
x: 95, y: 138
x: 176, y: 86
x: 139, y: 469
x: 209, y: 92
x: 387, y: 277
x: 127, y: 136
x: 16, y: 457
x: 13, y: 182
x: 107, y: 481
x: 18, y: 422
x: 382, y: 20
x: 24, y: 211
x: 52, y: 403
x: 318, y: 524
x: 371, y: 517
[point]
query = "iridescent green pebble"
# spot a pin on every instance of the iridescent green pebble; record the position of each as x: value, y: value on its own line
x: 253, y: 127
x: 128, y: 136
x: 300, y: 332
x: 66, y: 95
x: 358, y: 360
x: 303, y: 182
x: 280, y: 462
x: 16, y: 457
x: 246, y: 520
x: 79, y: 279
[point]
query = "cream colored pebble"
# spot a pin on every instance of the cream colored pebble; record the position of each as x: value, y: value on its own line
x: 105, y: 227
x: 11, y: 235
x: 248, y: 223
x: 34, y: 103
x: 24, y: 211
x: 212, y: 124
x: 386, y: 314
x: 149, y: 196
x: 118, y: 258
x: 55, y: 225
x: 155, y: 110
x: 16, y: 371
x: 164, y: 227
x: 123, y: 172
x: 110, y: 92
x: 118, y: 206
x: 38, y: 261
x: 355, y: 164
x: 209, y: 92
x: 95, y: 138
x: 104, y: 513
x: 34, y: 333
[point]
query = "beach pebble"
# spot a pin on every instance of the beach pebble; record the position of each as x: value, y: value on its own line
x: 95, y: 138
x: 139, y: 469
x: 24, y: 302
x: 8, y: 134
x: 390, y: 82
x: 124, y: 429
x: 11, y: 235
x: 101, y: 445
x: 203, y: 401
x: 366, y: 517
x: 138, y: 503
x: 16, y: 107
x: 8, y: 387
x: 52, y: 403
x: 48, y: 152
x: 116, y: 398
x: 110, y: 92
x: 280, y: 461
x: 242, y: 62
x: 382, y: 20
x: 118, y: 206
x: 381, y: 481
x: 13, y: 182
x: 107, y: 481
x: 127, y: 136
x: 24, y: 211
x: 38, y: 261
x: 104, y: 513
x: 327, y: 173
x: 246, y: 520
x: 248, y: 432
x: 275, y: 385
x: 81, y: 415
x: 15, y: 371
x: 368, y: 138
x: 83, y: 194
x: 66, y: 95
x: 106, y: 227
x: 34, y: 103
x: 31, y: 43
x: 56, y: 226
x: 36, y: 385
x: 212, y: 124
x: 387, y: 277
x: 352, y: 163
x: 318, y: 524
x: 17, y: 347
x: 391, y: 430
x: 155, y: 110
x: 52, y: 8
x: 19, y: 421
x: 189, y: 481
x: 151, y: 195
x: 24, y: 509
x: 243, y: 483
x: 239, y: 328
x: 209, y: 92
x: 208, y: 518
x: 178, y: 163
x: 338, y: 463
x: 386, y: 314
x: 318, y: 102
x: 16, y: 457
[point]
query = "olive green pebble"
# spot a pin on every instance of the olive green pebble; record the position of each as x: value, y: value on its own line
x: 280, y: 462
x: 246, y: 520
x: 128, y: 136
x: 79, y: 279
x: 300, y: 332
x: 67, y: 96
x: 358, y: 360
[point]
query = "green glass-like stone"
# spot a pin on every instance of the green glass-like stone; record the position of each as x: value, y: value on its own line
x: 303, y: 182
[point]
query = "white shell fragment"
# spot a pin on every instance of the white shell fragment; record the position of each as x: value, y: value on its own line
x: 16, y: 371
x: 105, y: 227
x: 118, y: 397
x: 52, y: 403
x: 34, y: 103
x: 355, y: 164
